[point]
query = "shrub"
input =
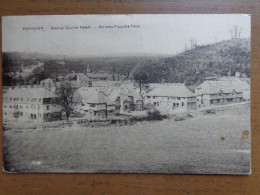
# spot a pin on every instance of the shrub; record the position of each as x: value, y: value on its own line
x: 154, y: 115
x: 210, y: 111
x: 179, y: 118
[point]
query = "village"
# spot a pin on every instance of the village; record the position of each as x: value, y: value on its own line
x: 103, y: 96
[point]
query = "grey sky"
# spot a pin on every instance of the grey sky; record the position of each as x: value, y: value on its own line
x: 159, y: 34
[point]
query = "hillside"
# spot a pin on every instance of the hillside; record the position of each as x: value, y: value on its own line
x: 194, y: 65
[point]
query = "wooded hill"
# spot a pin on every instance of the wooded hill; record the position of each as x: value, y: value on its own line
x: 193, y: 66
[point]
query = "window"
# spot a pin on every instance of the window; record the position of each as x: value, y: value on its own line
x: 83, y: 104
x: 154, y: 103
x: 177, y: 104
x: 148, y: 97
x: 5, y: 106
x: 153, y: 97
x: 48, y: 115
x: 10, y: 106
x: 173, y: 104
x: 182, y: 103
x: 21, y: 107
x: 178, y: 98
x: 92, y: 105
x: 47, y: 107
x: 39, y: 99
x: 90, y: 83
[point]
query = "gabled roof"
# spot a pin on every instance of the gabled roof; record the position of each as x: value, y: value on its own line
x: 113, y: 93
x: 213, y: 87
x: 25, y: 93
x: 171, y: 90
x: 94, y: 96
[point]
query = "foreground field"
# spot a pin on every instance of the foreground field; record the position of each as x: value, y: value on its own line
x: 206, y: 143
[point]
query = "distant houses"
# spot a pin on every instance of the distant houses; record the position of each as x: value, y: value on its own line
x: 97, y: 97
x: 222, y: 91
x: 31, y: 104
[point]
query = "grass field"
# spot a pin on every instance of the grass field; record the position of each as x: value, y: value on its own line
x: 206, y: 143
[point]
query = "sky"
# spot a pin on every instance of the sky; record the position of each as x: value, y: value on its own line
x: 147, y: 34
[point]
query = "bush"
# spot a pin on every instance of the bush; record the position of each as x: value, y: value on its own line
x: 154, y: 115
x: 179, y: 118
x: 210, y: 112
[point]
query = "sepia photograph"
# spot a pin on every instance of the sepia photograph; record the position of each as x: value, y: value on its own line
x: 142, y: 93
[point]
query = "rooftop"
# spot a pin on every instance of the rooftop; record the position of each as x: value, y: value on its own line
x: 23, y: 94
x: 94, y: 96
x: 224, y: 85
x: 172, y: 90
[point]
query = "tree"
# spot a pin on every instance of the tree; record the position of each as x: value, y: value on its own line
x: 193, y: 44
x: 235, y: 32
x: 142, y: 79
x: 66, y: 98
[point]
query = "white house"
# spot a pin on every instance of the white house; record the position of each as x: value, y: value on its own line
x: 31, y: 104
x: 218, y: 92
x: 171, y: 98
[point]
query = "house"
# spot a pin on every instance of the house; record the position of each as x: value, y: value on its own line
x: 171, y: 98
x: 242, y: 84
x: 31, y: 104
x: 126, y: 102
x: 95, y: 104
x: 218, y: 92
x: 83, y: 80
x: 48, y: 84
x: 114, y: 95
x: 138, y: 101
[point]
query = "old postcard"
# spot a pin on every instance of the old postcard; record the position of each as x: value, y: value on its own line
x: 127, y: 94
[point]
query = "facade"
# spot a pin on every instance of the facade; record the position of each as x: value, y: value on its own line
x: 218, y: 92
x: 31, y: 104
x: 139, y: 102
x: 241, y: 84
x: 48, y: 84
x: 126, y: 103
x: 95, y: 104
x: 171, y: 98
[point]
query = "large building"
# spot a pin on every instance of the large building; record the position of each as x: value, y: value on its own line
x: 218, y: 92
x: 171, y: 98
x: 31, y: 104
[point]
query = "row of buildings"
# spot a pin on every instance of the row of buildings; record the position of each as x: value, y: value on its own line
x: 109, y: 98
